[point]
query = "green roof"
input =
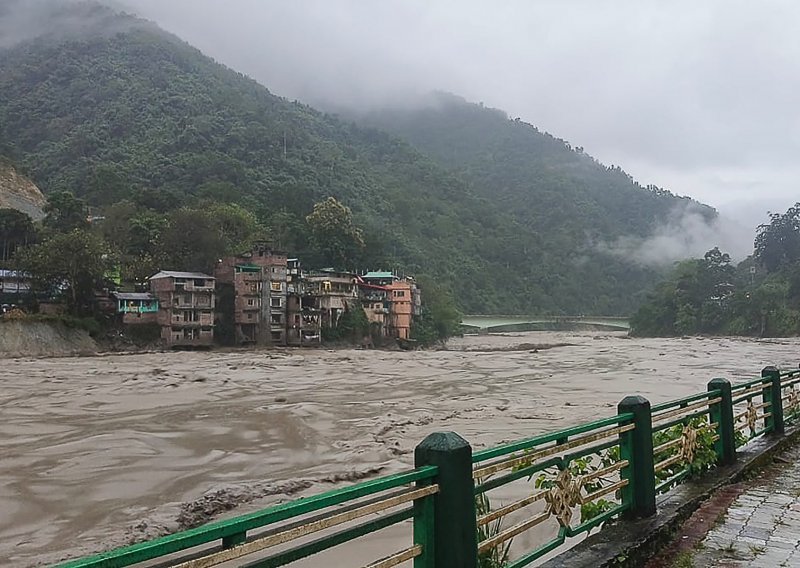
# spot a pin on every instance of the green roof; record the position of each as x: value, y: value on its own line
x: 247, y: 268
x: 379, y: 274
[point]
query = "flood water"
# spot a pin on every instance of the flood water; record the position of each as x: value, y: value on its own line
x: 97, y: 452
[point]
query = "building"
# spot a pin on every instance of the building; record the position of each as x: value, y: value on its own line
x: 258, y: 280
x: 303, y: 319
x: 375, y: 300
x: 400, y: 309
x: 402, y: 301
x: 136, y: 307
x: 14, y: 286
x: 186, y: 302
x: 333, y: 292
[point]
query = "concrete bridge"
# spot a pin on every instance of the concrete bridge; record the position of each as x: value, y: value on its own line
x: 498, y: 324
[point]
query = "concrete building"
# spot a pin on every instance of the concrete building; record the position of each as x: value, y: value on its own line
x: 303, y: 318
x: 375, y: 300
x: 136, y: 307
x: 258, y: 279
x: 186, y: 307
x: 400, y: 309
x: 333, y: 292
x: 402, y: 301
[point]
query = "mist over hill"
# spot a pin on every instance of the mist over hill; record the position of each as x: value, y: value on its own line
x: 510, y: 220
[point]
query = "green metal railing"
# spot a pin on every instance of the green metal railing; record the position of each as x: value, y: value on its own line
x: 560, y: 485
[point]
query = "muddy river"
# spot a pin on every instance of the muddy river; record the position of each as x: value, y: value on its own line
x: 97, y: 452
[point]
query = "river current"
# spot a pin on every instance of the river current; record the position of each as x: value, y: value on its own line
x: 98, y: 452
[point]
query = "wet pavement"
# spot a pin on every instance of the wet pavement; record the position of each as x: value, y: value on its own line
x: 761, y: 527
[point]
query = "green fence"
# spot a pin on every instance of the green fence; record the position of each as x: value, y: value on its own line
x: 551, y: 488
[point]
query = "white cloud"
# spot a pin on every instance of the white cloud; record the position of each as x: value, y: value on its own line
x: 686, y: 235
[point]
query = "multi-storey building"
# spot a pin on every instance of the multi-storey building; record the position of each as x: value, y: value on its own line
x: 186, y: 307
x: 334, y: 291
x: 302, y: 316
x: 402, y: 301
x: 258, y: 279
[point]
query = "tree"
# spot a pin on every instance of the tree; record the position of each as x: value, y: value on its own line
x: 777, y: 243
x: 695, y: 299
x: 333, y: 233
x: 65, y: 212
x: 439, y: 318
x: 190, y: 241
x: 73, y: 262
x: 16, y: 229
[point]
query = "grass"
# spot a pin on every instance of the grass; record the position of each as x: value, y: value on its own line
x: 684, y: 560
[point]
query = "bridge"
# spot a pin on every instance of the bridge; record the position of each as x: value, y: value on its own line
x: 499, y: 324
x: 644, y: 467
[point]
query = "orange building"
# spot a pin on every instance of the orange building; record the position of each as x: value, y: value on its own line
x: 400, y: 308
x: 402, y: 298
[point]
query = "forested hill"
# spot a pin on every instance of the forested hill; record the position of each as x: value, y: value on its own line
x: 116, y: 109
x: 540, y: 179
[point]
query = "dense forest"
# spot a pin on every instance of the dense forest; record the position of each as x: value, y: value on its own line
x: 181, y: 157
x: 759, y: 297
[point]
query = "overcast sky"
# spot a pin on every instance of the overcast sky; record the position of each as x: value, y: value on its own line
x: 698, y: 97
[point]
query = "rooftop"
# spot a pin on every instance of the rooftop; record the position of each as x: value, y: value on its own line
x: 133, y: 295
x: 379, y: 274
x: 172, y: 274
x: 12, y: 274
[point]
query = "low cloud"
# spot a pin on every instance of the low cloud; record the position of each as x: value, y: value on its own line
x: 687, y: 234
x: 24, y: 20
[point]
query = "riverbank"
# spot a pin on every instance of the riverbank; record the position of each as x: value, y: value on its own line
x: 21, y: 338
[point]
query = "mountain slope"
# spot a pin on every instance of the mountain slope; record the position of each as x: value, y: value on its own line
x: 532, y: 175
x: 18, y: 192
x: 136, y: 113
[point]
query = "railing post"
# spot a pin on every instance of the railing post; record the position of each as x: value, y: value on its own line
x: 455, y: 531
x: 636, y: 446
x: 774, y: 395
x: 722, y: 413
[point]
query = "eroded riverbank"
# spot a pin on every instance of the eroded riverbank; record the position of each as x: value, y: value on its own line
x: 100, y: 451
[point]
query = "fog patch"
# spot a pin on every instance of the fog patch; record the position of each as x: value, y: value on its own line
x: 25, y: 20
x: 687, y: 234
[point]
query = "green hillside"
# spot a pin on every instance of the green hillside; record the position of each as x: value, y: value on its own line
x: 542, y: 181
x: 122, y: 110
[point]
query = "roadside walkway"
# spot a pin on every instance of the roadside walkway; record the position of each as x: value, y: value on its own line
x: 760, y: 528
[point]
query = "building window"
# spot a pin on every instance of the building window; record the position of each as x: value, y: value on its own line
x: 199, y: 283
x: 275, y: 302
x: 277, y: 336
x: 275, y: 286
x: 276, y: 318
x: 249, y: 316
x: 250, y: 302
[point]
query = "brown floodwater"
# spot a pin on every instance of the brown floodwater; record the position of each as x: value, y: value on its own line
x: 97, y: 452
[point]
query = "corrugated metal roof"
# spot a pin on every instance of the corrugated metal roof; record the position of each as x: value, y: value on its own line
x: 378, y: 274
x: 12, y: 274
x: 133, y: 295
x: 173, y: 274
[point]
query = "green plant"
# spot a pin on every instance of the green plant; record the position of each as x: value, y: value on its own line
x: 683, y: 560
x: 580, y: 467
x: 704, y: 456
x: 496, y: 557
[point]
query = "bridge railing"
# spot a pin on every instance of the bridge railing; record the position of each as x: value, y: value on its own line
x: 386, y: 501
x: 465, y: 507
x: 576, y: 472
